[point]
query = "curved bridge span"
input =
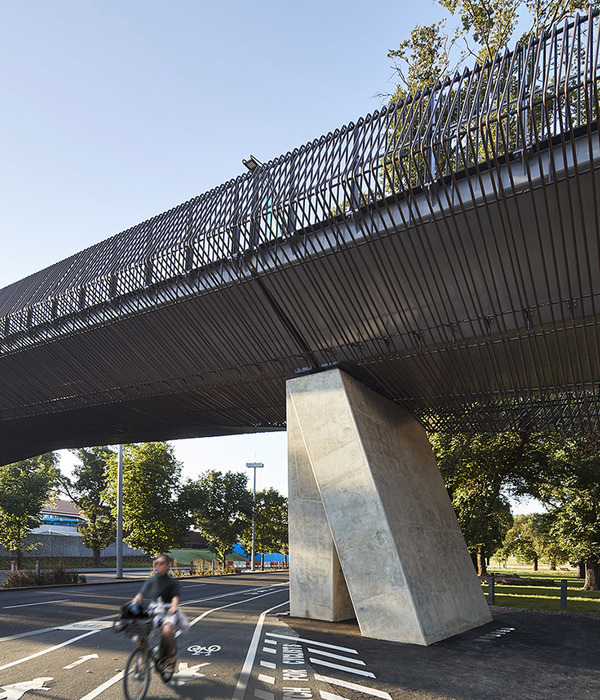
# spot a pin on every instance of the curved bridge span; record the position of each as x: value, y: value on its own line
x: 444, y: 252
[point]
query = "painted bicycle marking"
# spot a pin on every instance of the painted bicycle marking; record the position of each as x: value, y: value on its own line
x: 197, y: 650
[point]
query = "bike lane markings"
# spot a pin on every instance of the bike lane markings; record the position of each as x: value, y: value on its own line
x: 43, y: 602
x: 48, y: 650
x: 15, y: 691
x: 266, y: 679
x: 81, y: 660
x: 242, y: 684
x: 295, y: 674
x: 353, y: 686
x: 339, y: 657
x: 311, y: 641
x: 339, y: 667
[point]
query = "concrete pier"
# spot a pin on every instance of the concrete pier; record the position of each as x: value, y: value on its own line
x: 372, y: 530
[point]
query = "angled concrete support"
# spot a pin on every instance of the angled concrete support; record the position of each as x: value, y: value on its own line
x: 372, y: 531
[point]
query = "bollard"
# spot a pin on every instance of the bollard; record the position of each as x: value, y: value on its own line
x: 563, y: 594
x: 37, y: 568
x: 491, y: 590
x: 12, y: 565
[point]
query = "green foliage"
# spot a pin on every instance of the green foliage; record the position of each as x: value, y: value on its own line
x: 88, y: 490
x: 27, y: 578
x: 575, y: 505
x: 421, y: 60
x: 530, y: 539
x: 482, y: 471
x: 221, y: 507
x: 482, y: 28
x: 24, y: 489
x: 154, y: 514
x: 271, y: 518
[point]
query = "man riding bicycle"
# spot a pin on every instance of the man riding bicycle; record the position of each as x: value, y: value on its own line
x: 162, y: 587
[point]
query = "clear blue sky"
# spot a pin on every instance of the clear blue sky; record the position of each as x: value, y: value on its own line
x: 115, y: 111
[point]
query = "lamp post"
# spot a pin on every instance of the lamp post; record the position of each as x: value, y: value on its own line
x: 119, y: 543
x: 255, y: 466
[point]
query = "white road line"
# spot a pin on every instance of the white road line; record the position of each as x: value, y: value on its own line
x: 270, y: 641
x: 242, y: 684
x: 48, y: 650
x: 101, y: 688
x: 354, y: 686
x: 228, y: 595
x: 347, y: 669
x: 263, y: 695
x: 266, y: 679
x: 44, y: 602
x: 269, y: 650
x: 329, y: 655
x: 268, y: 664
x: 331, y: 696
x: 229, y: 605
x: 311, y: 641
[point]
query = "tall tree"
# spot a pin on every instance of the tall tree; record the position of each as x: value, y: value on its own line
x: 154, y: 514
x: 221, y: 508
x: 482, y: 471
x: 89, y: 491
x: 24, y: 489
x: 271, y: 521
x: 530, y: 539
x: 575, y: 505
x: 481, y: 29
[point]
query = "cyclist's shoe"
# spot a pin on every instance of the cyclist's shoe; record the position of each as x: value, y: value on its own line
x: 168, y: 670
x: 138, y: 672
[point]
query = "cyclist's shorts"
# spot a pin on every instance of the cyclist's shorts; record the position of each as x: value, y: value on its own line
x: 179, y: 621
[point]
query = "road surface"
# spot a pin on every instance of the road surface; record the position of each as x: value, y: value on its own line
x: 58, y: 643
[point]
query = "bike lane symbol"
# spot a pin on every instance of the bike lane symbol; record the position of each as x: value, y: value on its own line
x: 197, y: 650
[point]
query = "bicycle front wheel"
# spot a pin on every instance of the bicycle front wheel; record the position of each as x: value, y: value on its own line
x: 136, y: 678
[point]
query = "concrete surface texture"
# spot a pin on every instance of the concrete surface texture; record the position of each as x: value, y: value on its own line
x: 316, y: 578
x: 403, y: 557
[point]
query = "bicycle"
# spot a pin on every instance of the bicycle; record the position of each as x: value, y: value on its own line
x: 137, y: 672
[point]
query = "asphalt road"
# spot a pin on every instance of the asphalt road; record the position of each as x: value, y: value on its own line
x: 58, y: 644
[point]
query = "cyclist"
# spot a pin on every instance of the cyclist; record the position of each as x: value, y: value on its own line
x: 162, y: 587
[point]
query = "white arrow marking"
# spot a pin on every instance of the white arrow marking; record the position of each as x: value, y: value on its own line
x: 186, y: 673
x: 17, y: 690
x: 81, y: 660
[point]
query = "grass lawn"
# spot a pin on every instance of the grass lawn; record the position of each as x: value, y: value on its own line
x: 545, y: 597
x: 184, y: 557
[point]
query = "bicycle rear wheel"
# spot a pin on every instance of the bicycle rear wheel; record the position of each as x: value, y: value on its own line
x: 136, y: 678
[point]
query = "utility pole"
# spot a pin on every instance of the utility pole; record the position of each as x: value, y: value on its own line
x: 255, y: 466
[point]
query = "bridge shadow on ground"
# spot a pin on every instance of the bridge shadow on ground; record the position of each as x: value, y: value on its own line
x: 521, y: 655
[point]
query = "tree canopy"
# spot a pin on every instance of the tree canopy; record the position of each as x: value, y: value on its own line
x: 89, y: 491
x: 154, y: 514
x: 480, y: 28
x: 221, y: 507
x: 271, y: 524
x: 25, y: 487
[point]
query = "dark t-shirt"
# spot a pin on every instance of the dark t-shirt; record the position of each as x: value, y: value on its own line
x: 164, y: 587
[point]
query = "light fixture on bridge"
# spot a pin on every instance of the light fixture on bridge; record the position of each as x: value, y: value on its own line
x: 252, y: 163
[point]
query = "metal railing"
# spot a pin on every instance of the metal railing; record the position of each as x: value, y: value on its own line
x: 318, y: 194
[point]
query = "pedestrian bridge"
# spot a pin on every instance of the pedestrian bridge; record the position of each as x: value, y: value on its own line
x: 434, y: 265
x: 443, y: 251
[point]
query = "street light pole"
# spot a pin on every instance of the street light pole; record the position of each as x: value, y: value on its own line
x: 255, y: 466
x: 119, y: 542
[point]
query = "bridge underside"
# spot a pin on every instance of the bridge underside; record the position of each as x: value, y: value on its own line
x: 475, y: 314
x: 443, y: 251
